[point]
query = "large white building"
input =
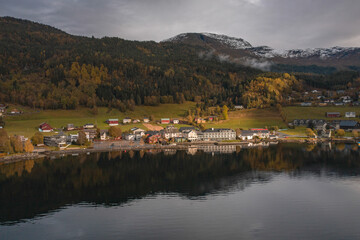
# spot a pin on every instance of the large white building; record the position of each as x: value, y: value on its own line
x: 218, y: 134
x: 171, y: 132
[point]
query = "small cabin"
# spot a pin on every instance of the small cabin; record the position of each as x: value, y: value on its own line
x: 113, y: 122
x: 45, y: 127
x: 89, y: 126
x: 350, y: 114
x: 126, y: 120
x: 165, y: 121
x: 333, y: 114
x: 306, y: 104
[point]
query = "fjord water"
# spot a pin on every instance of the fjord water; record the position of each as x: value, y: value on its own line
x: 277, y: 192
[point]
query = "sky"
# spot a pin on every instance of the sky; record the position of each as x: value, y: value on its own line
x: 281, y: 24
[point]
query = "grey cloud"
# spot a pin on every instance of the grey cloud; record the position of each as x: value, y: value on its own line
x: 261, y: 64
x: 281, y: 24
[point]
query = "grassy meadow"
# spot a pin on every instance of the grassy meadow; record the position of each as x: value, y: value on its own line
x: 27, y: 123
x: 297, y: 112
x: 250, y: 118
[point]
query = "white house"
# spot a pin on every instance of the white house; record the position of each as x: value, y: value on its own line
x: 250, y: 134
x: 146, y: 120
x: 88, y: 126
x: 72, y: 138
x: 190, y: 135
x: 350, y: 114
x: 138, y: 132
x: 104, y: 135
x: 175, y: 121
x: 126, y: 120
x: 246, y: 135
x: 129, y: 137
x: 171, y: 132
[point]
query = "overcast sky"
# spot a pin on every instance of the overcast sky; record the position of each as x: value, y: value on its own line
x: 281, y: 24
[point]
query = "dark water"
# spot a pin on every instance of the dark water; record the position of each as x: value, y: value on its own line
x: 276, y: 192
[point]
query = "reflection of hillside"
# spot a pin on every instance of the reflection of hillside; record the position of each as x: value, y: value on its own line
x: 16, y: 168
x: 34, y: 187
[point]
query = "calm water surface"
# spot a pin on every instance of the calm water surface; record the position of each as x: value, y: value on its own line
x: 276, y: 192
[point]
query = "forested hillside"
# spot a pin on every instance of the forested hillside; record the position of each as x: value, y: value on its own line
x: 47, y: 68
x: 43, y: 67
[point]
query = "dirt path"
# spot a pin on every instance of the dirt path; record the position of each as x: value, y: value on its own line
x: 152, y: 127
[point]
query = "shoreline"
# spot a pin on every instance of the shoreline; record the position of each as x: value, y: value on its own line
x: 178, y: 146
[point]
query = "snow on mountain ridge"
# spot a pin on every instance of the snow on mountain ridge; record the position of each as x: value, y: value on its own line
x: 323, y: 53
x: 265, y: 51
x: 176, y: 38
x: 236, y: 43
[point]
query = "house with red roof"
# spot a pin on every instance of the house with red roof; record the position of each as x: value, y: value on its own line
x: 45, y: 127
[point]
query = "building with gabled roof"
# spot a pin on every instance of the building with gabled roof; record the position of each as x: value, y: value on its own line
x: 112, y: 121
x: 45, y: 127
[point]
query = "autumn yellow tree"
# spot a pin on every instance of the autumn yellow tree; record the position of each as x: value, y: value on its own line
x: 16, y: 144
x: 28, y: 147
x: 309, y: 132
x: 225, y: 110
x: 38, y: 138
x: 340, y: 132
x: 115, y: 131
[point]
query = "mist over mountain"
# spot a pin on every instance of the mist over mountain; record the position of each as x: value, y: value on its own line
x: 266, y: 58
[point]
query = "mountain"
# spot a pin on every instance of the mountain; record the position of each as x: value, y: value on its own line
x: 210, y: 39
x: 240, y: 50
x: 41, y: 66
x: 44, y: 67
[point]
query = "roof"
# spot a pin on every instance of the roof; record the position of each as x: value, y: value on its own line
x: 247, y: 133
x: 332, y: 113
x: 186, y: 128
x: 189, y: 130
x: 113, y: 119
x: 151, y: 132
x: 348, y: 123
x: 89, y: 130
x: 135, y: 129
x: 218, y: 129
x: 45, y: 126
x: 165, y: 119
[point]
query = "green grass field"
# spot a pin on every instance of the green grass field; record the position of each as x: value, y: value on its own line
x: 318, y: 112
x: 27, y: 123
x: 250, y: 118
x: 298, y: 131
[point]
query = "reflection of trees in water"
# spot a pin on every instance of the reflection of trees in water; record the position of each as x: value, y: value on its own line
x: 30, y: 188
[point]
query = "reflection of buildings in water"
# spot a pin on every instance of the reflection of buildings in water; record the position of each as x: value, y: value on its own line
x: 169, y: 151
x: 260, y: 144
x: 192, y: 150
x: 230, y: 148
x: 217, y: 148
x: 325, y: 146
x: 154, y: 151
